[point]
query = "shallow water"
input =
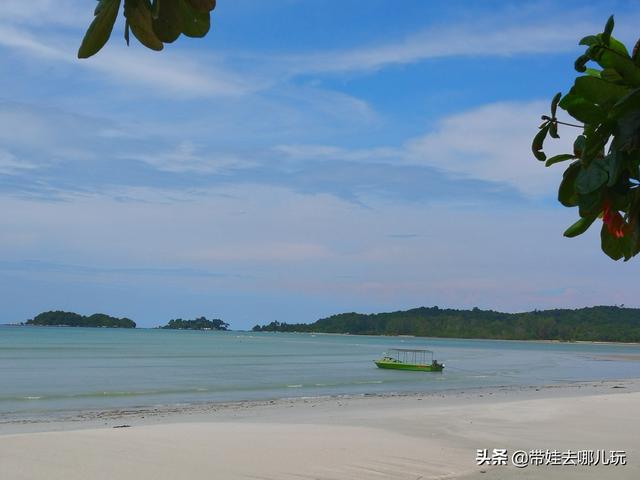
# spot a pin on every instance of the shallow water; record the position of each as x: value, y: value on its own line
x: 51, y: 370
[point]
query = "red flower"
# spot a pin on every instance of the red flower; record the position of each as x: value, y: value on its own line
x: 613, y: 220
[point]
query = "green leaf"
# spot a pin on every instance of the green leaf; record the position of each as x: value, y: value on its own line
x: 138, y: 14
x: 559, y: 158
x: 595, y: 141
x: 608, y: 28
x: 598, y: 91
x: 590, y: 204
x: 618, y: 47
x: 592, y: 72
x: 634, y: 225
x: 582, y: 109
x: 622, y: 64
x: 613, y: 162
x: 629, y: 103
x: 612, y: 246
x: 635, y: 54
x: 168, y: 25
x: 581, y: 63
x: 610, y: 75
x: 567, y: 194
x: 553, y: 130
x: 203, y: 6
x: 554, y: 103
x: 100, y: 29
x: 627, y: 134
x: 613, y: 44
x: 538, y: 140
x: 590, y: 40
x: 195, y: 23
x: 591, y: 178
x: 579, y: 145
x: 580, y: 226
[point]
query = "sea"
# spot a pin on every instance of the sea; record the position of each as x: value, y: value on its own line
x: 49, y: 371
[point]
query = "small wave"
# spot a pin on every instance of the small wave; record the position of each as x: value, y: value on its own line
x: 294, y: 386
x: 368, y: 382
x: 32, y: 398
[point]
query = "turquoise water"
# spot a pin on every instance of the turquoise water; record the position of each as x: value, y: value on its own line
x: 48, y: 370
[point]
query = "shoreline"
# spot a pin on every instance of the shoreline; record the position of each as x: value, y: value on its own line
x: 401, y: 436
x: 552, y: 341
x: 560, y: 342
x: 171, y: 413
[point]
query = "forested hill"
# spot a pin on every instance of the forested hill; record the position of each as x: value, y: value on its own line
x: 610, y: 324
x: 201, y: 323
x: 71, y: 319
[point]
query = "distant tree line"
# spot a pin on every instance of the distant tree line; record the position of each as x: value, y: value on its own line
x: 604, y: 323
x: 71, y: 319
x: 198, y: 324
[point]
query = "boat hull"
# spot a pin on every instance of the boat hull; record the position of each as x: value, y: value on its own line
x: 409, y: 366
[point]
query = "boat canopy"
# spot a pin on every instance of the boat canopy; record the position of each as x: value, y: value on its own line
x: 411, y: 355
x: 409, y: 350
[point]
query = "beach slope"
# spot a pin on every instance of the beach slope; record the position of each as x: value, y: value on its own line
x: 395, y: 437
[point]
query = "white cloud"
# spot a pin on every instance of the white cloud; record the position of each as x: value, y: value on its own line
x: 176, y: 72
x: 327, y: 152
x: 210, y: 143
x: 44, y: 136
x: 492, y: 143
x: 484, y: 37
x: 47, y: 12
x: 183, y: 73
x: 274, y: 240
x: 173, y: 73
x: 18, y: 39
x: 9, y: 164
x: 188, y: 157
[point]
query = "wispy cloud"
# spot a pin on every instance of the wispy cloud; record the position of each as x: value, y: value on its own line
x: 490, y: 143
x: 481, y: 153
x: 37, y: 266
x: 40, y: 13
x: 173, y: 73
x: 188, y: 157
x: 489, y: 37
x: 225, y: 73
x: 300, y: 152
x: 10, y: 164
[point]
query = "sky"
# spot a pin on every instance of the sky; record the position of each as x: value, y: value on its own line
x: 306, y: 158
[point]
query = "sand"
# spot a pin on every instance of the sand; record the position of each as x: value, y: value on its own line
x: 396, y: 437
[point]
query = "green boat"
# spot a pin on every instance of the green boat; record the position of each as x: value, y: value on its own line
x: 409, y: 359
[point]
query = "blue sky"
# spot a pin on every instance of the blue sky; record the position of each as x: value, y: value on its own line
x: 305, y: 158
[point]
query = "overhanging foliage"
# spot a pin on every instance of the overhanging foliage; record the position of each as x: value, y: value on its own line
x: 153, y: 23
x: 603, y: 174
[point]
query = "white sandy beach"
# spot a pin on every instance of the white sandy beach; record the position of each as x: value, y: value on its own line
x: 395, y: 437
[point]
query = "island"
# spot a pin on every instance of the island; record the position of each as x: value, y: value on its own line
x: 596, y: 324
x: 70, y: 319
x: 201, y: 323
